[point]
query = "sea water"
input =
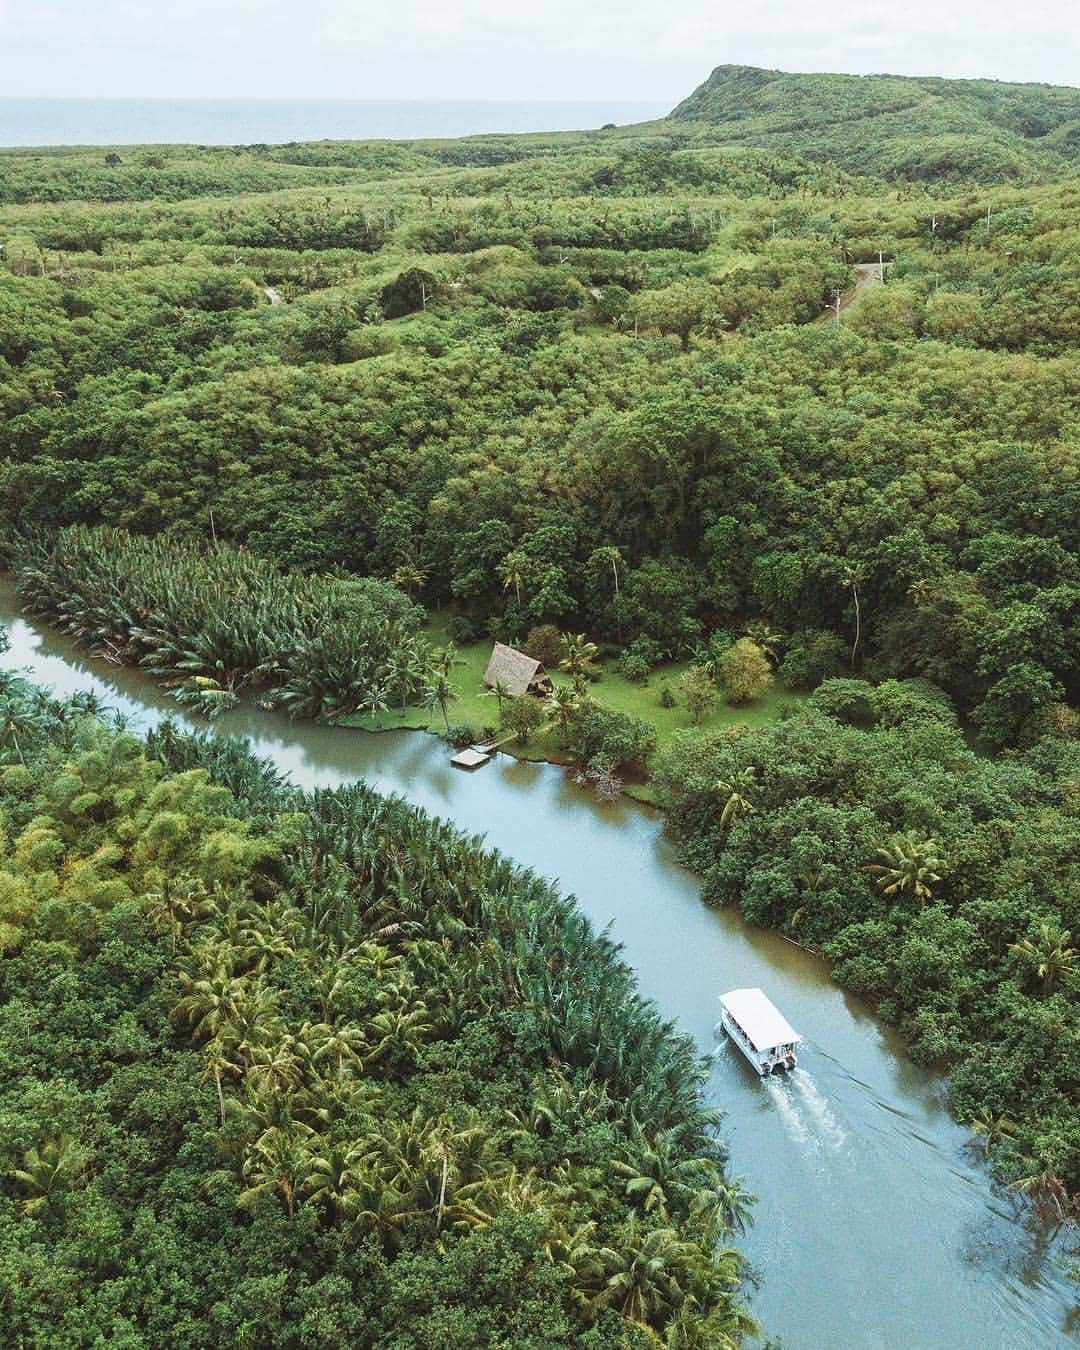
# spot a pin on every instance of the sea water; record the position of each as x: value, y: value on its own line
x: 121, y: 121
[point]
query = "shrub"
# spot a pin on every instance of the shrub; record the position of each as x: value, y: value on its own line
x: 699, y: 692
x: 460, y: 736
x: 635, y: 668
x: 522, y: 715
x: 618, y: 737
x: 645, y: 649
x: 667, y: 698
x: 813, y: 656
x: 848, y: 701
x: 462, y: 628
x: 544, y: 644
x: 905, y: 702
x: 409, y: 291
x: 745, y: 672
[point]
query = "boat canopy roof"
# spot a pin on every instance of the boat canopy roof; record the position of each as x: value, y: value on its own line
x: 760, y: 1020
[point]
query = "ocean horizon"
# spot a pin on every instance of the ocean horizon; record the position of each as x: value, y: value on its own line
x: 32, y: 122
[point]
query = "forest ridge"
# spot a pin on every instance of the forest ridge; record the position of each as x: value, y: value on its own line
x: 897, y: 126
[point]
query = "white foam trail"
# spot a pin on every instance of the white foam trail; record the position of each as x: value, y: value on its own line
x: 788, y: 1113
x: 818, y: 1107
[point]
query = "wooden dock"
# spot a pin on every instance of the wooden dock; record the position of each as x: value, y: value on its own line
x: 478, y: 754
x: 489, y: 747
x: 469, y: 759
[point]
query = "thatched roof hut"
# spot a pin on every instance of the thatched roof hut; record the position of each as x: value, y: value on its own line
x: 518, y: 672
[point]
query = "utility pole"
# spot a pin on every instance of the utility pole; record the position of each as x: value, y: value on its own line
x: 987, y: 217
x: 880, y: 267
x: 836, y: 298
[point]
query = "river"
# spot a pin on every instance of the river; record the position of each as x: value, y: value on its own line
x: 877, y: 1229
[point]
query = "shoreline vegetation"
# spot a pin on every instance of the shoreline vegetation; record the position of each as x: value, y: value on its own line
x: 324, y: 1025
x: 214, y: 624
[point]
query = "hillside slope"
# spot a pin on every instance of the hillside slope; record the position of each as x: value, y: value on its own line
x: 897, y: 126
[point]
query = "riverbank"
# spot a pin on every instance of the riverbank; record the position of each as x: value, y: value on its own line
x: 859, y: 1145
x: 474, y: 707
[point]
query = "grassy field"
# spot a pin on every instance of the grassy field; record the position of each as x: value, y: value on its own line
x: 475, y: 708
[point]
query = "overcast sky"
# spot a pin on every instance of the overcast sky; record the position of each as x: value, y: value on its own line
x: 509, y: 49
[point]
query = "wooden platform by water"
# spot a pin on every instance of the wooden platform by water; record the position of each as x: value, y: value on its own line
x: 478, y: 754
x: 470, y: 758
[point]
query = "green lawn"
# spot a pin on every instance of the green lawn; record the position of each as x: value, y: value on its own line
x: 477, y: 709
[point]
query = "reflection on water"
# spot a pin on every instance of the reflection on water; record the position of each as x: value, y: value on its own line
x: 875, y: 1227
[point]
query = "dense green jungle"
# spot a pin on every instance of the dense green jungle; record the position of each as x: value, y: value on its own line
x: 781, y: 390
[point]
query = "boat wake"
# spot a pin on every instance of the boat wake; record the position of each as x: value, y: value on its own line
x: 804, y: 1112
x: 790, y: 1116
x: 817, y: 1106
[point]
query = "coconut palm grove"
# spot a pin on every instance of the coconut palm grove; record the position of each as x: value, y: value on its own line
x: 753, y: 432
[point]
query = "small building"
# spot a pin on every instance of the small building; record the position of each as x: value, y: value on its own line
x: 519, y: 673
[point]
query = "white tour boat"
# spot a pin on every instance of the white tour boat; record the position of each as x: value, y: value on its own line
x: 759, y: 1029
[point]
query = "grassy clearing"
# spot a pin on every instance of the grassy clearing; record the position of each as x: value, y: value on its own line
x: 475, y: 708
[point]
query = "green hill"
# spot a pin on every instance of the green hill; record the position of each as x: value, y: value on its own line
x: 894, y: 126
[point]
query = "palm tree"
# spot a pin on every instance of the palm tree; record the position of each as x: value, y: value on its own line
x: 440, y: 692
x: 513, y: 574
x: 177, y: 903
x: 266, y: 935
x: 578, y: 659
x: 920, y: 592
x: 562, y: 703
x: 210, y: 1002
x: 990, y: 1128
x: 221, y: 1058
x: 850, y: 582
x: 374, y: 701
x: 577, y: 1254
x: 380, y: 1207
x: 1049, y: 952
x: 279, y: 1161
x: 276, y: 1067
x: 1041, y: 1184
x: 444, y: 659
x: 736, y: 1205
x: 907, y: 867
x: 736, y: 792
x: 399, y: 1033
x: 760, y: 632
x: 406, y: 668
x: 659, y: 1175
x: 344, y: 1045
x: 46, y: 1169
x: 409, y: 576
x: 499, y: 690
x: 335, y: 1177
x: 647, y: 1273
x: 613, y: 558
x: 18, y: 719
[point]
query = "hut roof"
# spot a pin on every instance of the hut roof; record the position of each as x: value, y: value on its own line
x: 516, y: 670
